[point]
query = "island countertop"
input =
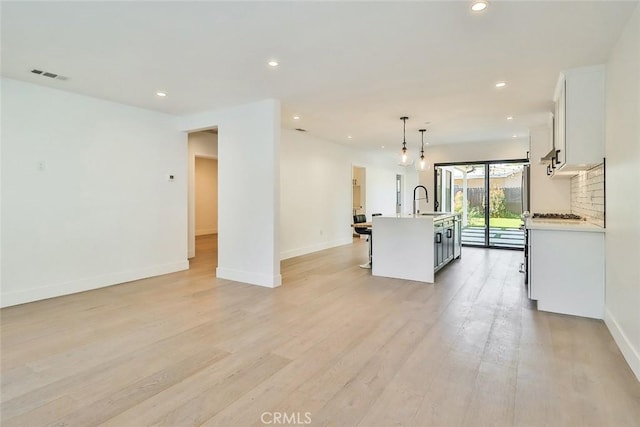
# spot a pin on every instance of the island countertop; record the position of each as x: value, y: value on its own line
x: 421, y: 215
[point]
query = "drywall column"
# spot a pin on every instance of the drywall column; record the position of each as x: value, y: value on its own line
x: 248, y: 190
x: 622, y: 239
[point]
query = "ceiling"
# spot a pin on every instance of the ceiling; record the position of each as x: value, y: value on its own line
x: 346, y: 68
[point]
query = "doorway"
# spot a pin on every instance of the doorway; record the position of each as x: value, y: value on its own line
x: 359, y: 190
x: 398, y: 194
x: 206, y: 196
x: 490, y: 196
x: 202, y: 193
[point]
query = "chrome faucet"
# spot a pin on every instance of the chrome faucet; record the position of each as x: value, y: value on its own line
x: 426, y: 197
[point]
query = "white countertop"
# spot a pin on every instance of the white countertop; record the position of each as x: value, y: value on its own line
x: 421, y: 215
x: 562, y: 225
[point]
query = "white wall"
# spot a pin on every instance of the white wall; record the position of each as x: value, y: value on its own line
x: 316, y: 191
x: 206, y: 196
x: 315, y: 196
x: 622, y: 314
x: 467, y: 152
x: 248, y: 190
x: 381, y: 190
x: 86, y: 199
x: 201, y: 144
x: 547, y: 194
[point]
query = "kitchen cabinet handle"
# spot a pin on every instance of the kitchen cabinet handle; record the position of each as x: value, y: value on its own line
x: 553, y: 163
x: 548, y: 170
x: 438, y: 237
x: 449, y: 233
x: 558, y: 157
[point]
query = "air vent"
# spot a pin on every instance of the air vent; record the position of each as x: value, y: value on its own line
x: 301, y: 130
x: 49, y: 74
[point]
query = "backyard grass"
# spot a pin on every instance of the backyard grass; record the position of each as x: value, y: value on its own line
x: 496, y: 222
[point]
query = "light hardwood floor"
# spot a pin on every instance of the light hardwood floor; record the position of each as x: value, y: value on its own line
x: 349, y: 349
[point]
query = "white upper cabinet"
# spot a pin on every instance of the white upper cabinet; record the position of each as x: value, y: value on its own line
x: 579, y: 121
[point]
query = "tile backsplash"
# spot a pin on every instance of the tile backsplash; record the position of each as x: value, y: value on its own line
x: 587, y: 195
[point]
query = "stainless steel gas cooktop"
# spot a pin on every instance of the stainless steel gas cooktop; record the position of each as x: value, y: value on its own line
x: 569, y: 216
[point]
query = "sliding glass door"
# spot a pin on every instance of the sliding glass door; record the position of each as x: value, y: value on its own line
x: 489, y: 196
x: 505, y: 205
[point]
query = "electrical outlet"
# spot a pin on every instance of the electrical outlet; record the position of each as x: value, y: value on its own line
x: 171, y: 177
x: 41, y: 166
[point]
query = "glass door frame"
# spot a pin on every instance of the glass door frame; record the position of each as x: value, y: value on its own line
x: 486, y: 164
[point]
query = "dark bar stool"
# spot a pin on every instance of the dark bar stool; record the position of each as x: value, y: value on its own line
x: 359, y: 219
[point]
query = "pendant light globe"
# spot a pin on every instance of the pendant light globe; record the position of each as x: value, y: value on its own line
x: 422, y: 164
x: 405, y: 157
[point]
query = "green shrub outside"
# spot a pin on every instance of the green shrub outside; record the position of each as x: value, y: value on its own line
x: 500, y: 217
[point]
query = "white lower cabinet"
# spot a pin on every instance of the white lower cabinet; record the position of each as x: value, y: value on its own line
x: 567, y: 271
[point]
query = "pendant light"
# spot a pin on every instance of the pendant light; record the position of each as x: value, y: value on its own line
x: 405, y: 158
x: 421, y: 164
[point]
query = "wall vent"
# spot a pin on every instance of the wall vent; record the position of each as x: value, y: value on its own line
x: 49, y: 74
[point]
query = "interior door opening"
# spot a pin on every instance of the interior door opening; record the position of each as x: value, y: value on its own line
x: 359, y: 188
x: 359, y: 191
x: 490, y: 196
x: 398, y: 194
x: 202, y: 209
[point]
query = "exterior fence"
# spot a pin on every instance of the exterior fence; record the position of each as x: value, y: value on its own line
x: 475, y: 197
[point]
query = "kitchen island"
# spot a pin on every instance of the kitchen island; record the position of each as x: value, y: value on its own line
x: 414, y: 247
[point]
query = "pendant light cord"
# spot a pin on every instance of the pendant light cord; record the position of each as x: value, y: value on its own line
x: 404, y: 133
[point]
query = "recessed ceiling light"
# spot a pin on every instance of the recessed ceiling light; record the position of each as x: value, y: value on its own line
x: 509, y: 117
x: 479, y: 5
x: 382, y: 146
x: 501, y: 84
x: 273, y: 63
x: 349, y: 136
x: 161, y: 94
x: 296, y: 117
x: 514, y: 136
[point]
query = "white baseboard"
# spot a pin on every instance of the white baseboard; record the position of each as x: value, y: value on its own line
x: 87, y: 284
x: 630, y: 353
x: 205, y: 231
x: 249, y: 277
x: 314, y: 248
